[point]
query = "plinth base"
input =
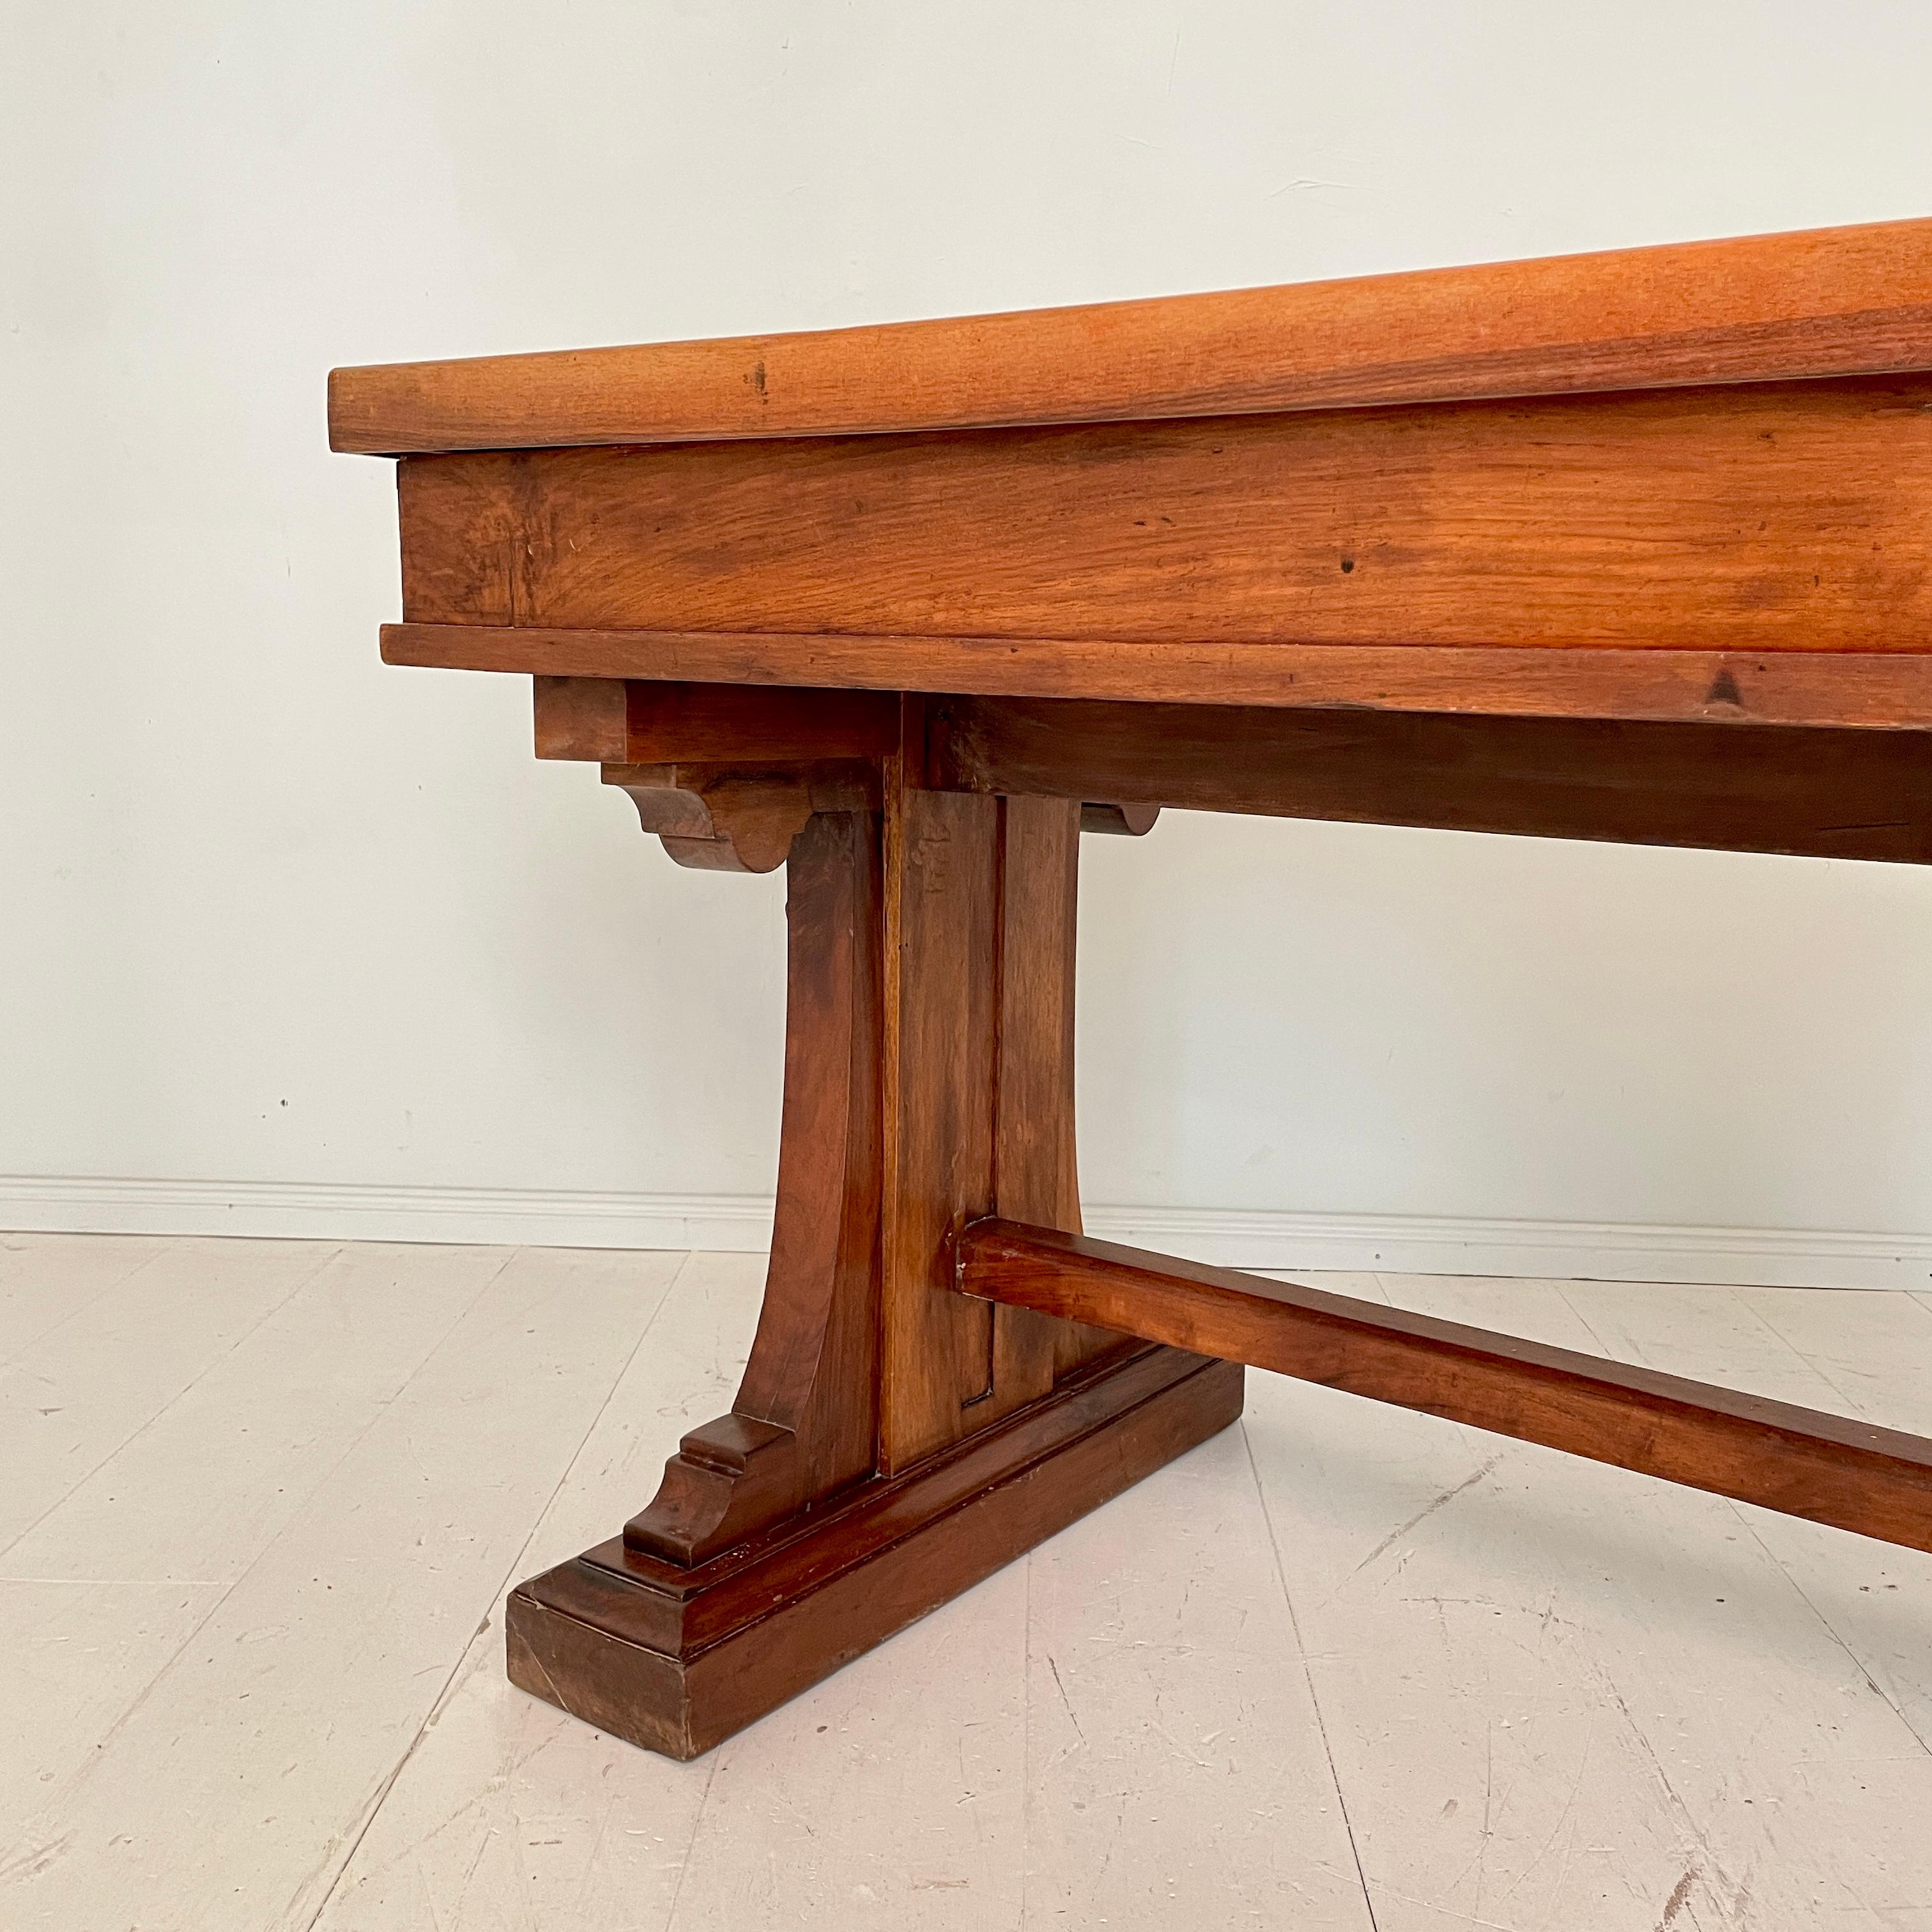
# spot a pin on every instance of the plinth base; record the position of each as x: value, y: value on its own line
x: 677, y: 1660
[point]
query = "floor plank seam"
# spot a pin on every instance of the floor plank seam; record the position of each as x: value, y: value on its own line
x: 1744, y: 1516
x: 1308, y: 1674
x: 269, y: 1315
x: 1817, y: 1368
x: 106, y: 1287
x: 131, y: 1582
x: 388, y: 1783
x: 697, y: 1825
x: 1026, y: 1733
x: 128, y: 1715
x: 513, y: 1570
x: 228, y: 1586
x: 523, y: 1556
x: 380, y: 1408
x: 1832, y: 1630
x: 1597, y: 1342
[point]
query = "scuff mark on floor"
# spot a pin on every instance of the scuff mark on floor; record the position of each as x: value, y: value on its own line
x: 1423, y: 1515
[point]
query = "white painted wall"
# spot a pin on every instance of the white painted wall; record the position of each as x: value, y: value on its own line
x: 271, y: 913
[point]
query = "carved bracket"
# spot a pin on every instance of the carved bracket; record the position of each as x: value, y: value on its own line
x: 1123, y: 821
x: 718, y: 818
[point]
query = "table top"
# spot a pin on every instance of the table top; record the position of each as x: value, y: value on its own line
x: 1685, y: 483
x: 1825, y: 302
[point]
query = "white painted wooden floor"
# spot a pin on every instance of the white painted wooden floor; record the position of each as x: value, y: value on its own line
x: 1343, y: 1666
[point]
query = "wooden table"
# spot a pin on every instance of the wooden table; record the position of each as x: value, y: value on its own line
x: 1629, y: 546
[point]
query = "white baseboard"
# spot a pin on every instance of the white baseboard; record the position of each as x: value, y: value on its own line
x: 325, y: 1211
x: 1566, y: 1250
x: 1263, y: 1238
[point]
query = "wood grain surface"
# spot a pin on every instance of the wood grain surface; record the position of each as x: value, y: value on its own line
x: 805, y: 1419
x: 1859, y: 690
x: 677, y: 1659
x: 1826, y: 1467
x: 1822, y: 302
x: 1036, y: 1156
x: 942, y: 858
x: 1770, y: 517
x: 1772, y: 788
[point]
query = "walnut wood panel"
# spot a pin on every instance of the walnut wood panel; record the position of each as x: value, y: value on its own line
x: 1035, y: 1162
x: 942, y: 886
x: 580, y: 717
x: 677, y: 1659
x: 735, y: 725
x: 805, y: 1422
x: 980, y: 963
x: 890, y: 1443
x: 1860, y: 690
x: 738, y: 817
x: 1790, y: 516
x: 596, y: 718
x: 1825, y: 302
x: 1118, y: 821
x: 657, y: 726
x: 670, y: 722
x: 1829, y: 1468
x: 1776, y: 788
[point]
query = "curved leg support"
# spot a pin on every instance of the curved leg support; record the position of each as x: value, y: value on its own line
x: 805, y: 1421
